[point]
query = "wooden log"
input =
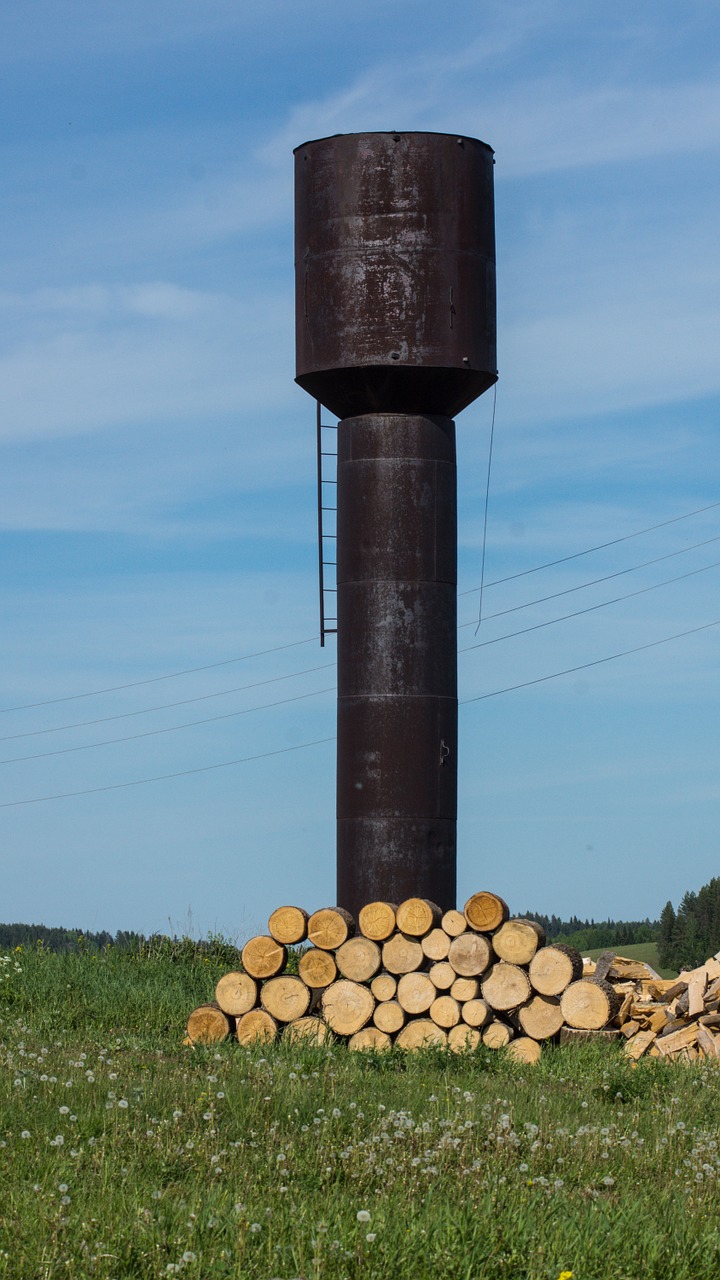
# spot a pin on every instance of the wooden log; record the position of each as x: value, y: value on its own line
x: 389, y: 1016
x: 415, y: 992
x: 329, y: 927
x: 208, y: 1024
x: 347, y: 1006
x: 486, y: 911
x: 445, y: 1012
x: 369, y: 1038
x: 571, y: 1035
x: 524, y: 1049
x: 256, y: 1027
x: 442, y: 975
x: 497, y: 1034
x: 541, y: 1017
x: 463, y: 1039
x: 307, y: 1030
x: 288, y: 925
x: 317, y: 968
x: 588, y: 1005
x: 420, y: 1033
x: 553, y: 968
x: 518, y: 940
x: 377, y: 921
x: 505, y: 987
x: 436, y: 944
x: 454, y: 923
x: 464, y: 989
x: 358, y: 959
x: 475, y: 1013
x: 384, y: 986
x: 263, y: 957
x: 236, y: 993
x: 470, y: 954
x: 285, y: 998
x: 401, y: 954
x: 417, y: 916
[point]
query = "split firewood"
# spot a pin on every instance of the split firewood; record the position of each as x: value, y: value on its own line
x: 486, y: 911
x: 417, y: 916
x: 377, y: 921
x: 236, y: 993
x: 263, y: 957
x: 329, y: 927
x: 288, y: 925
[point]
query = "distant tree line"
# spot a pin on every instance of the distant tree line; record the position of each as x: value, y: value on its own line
x: 688, y: 936
x: 587, y: 935
x: 55, y: 939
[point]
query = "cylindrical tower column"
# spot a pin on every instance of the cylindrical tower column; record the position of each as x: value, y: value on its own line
x: 397, y: 667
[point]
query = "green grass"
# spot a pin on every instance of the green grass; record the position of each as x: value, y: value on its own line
x: 646, y: 951
x: 126, y: 1155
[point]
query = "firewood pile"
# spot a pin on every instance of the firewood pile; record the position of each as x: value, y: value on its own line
x: 676, y: 1018
x: 409, y: 975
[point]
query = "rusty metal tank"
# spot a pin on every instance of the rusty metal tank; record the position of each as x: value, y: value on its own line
x: 395, y: 272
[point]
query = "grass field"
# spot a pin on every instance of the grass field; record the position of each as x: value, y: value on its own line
x: 124, y: 1154
x: 646, y: 951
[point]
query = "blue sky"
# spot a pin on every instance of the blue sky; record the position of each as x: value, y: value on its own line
x: 157, y: 468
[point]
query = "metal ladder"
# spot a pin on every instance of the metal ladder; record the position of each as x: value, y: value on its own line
x: 327, y: 510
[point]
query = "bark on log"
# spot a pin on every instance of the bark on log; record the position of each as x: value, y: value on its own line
x: 553, y: 968
x: 263, y: 957
x: 505, y: 987
x: 436, y: 944
x: 369, y: 1038
x: 518, y: 940
x: 347, y: 1006
x: 420, y: 1033
x: 208, y: 1024
x: 541, y: 1017
x: 256, y: 1027
x: 236, y: 993
x: 288, y: 925
x: 454, y: 923
x: 475, y: 1013
x: 497, y: 1035
x: 384, y: 986
x: 389, y: 1016
x: 401, y: 954
x: 377, y: 920
x: 464, y: 989
x: 329, y: 927
x: 469, y: 955
x: 415, y: 993
x: 442, y: 975
x: 417, y: 916
x: 486, y: 911
x: 445, y: 1012
x: 524, y: 1049
x: 463, y: 1039
x: 317, y: 968
x: 588, y: 1005
x: 308, y: 1030
x: 358, y: 959
x: 285, y: 998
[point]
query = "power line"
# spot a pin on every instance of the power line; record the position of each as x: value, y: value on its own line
x: 152, y: 733
x: 165, y: 706
x: 555, y: 595
x: 171, y: 675
x: 590, y: 608
x: 555, y: 675
x: 163, y: 777
x: 600, y: 547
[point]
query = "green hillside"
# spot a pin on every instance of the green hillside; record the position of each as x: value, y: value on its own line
x: 646, y: 951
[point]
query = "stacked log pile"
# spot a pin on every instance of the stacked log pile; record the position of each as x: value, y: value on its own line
x: 676, y: 1019
x: 409, y: 975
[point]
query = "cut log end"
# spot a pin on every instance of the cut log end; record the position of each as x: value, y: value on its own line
x: 553, y: 968
x: 329, y: 927
x: 236, y: 993
x: 208, y: 1025
x: 377, y: 921
x: 588, y: 1005
x: 369, y: 1038
x: 263, y: 957
x: 256, y: 1027
x: 288, y: 925
x: 486, y: 911
x: 417, y: 916
x: 347, y: 1006
x: 517, y: 941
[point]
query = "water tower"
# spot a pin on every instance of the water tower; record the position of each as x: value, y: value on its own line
x: 395, y: 334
